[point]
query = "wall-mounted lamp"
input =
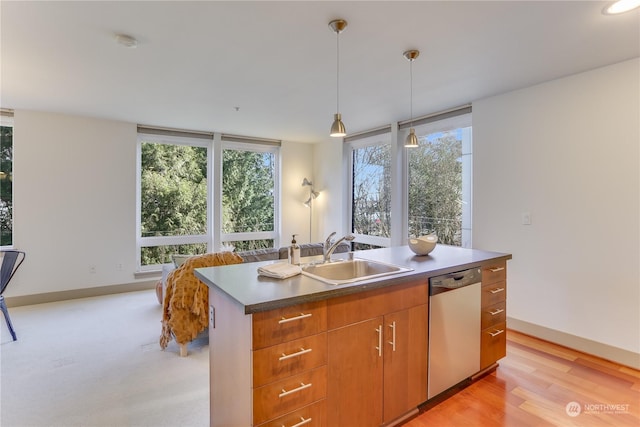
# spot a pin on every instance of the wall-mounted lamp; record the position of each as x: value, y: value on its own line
x: 412, y: 139
x: 313, y: 194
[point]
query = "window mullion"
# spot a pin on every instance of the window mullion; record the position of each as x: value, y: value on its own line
x: 215, y: 192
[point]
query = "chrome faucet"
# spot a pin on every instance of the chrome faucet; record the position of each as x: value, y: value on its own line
x: 330, y: 246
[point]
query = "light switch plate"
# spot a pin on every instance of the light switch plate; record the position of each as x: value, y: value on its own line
x: 526, y: 218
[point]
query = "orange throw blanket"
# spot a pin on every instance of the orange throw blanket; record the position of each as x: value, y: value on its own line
x: 186, y: 302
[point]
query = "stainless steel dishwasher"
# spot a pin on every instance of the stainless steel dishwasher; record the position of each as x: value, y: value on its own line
x: 454, y: 329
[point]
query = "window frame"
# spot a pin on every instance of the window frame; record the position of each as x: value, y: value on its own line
x: 449, y: 123
x: 371, y: 139
x: 274, y: 235
x: 215, y: 143
x: 7, y: 120
x: 168, y: 240
x: 445, y: 120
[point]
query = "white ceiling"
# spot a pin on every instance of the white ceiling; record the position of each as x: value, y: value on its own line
x: 196, y: 61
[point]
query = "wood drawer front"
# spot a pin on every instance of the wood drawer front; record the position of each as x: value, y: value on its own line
x: 493, y: 344
x: 290, y: 358
x: 494, y: 293
x: 494, y: 273
x: 289, y: 323
x: 355, y: 308
x: 494, y: 314
x: 314, y: 415
x: 282, y: 397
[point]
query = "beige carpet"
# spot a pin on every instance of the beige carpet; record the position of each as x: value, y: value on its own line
x: 97, y: 362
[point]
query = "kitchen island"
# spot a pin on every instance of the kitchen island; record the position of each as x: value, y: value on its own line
x: 299, y: 352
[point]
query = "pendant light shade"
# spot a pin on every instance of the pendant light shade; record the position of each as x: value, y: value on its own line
x: 412, y: 139
x: 337, y: 128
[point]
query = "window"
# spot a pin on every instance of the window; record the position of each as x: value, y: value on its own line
x: 371, y: 191
x: 429, y: 187
x: 6, y: 178
x: 439, y: 181
x: 173, y: 197
x: 249, y: 196
x: 185, y: 207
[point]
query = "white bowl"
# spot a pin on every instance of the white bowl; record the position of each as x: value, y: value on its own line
x: 424, y: 244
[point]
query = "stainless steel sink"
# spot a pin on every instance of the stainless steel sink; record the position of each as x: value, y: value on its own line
x: 350, y: 271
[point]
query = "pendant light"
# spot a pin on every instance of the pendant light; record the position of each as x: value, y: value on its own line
x: 337, y: 128
x: 412, y: 139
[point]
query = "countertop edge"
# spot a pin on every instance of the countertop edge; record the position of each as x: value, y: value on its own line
x: 323, y: 292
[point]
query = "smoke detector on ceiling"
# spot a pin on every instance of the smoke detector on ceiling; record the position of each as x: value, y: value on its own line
x: 126, y: 40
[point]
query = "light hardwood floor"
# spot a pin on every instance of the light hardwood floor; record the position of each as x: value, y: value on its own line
x: 539, y: 384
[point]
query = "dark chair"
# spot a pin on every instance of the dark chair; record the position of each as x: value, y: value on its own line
x: 11, y: 260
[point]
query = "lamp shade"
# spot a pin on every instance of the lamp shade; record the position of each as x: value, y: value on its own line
x: 412, y: 139
x: 337, y: 128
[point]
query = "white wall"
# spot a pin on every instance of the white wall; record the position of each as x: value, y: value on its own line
x: 332, y: 181
x: 75, y: 201
x: 297, y: 164
x: 567, y: 151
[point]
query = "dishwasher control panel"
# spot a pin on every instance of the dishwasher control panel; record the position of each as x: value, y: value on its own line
x: 451, y: 281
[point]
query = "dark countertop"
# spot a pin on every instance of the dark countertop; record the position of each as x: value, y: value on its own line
x: 257, y: 293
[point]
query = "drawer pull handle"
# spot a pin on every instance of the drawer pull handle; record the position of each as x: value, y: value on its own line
x: 496, y: 333
x: 496, y: 290
x: 496, y: 311
x: 291, y: 319
x: 495, y: 270
x: 379, y: 347
x: 296, y: 354
x: 295, y: 390
x: 302, y: 422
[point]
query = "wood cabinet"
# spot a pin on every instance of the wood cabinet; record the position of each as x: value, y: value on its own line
x: 357, y: 360
x: 267, y: 369
x: 347, y: 360
x: 289, y: 365
x: 377, y: 351
x: 493, y: 338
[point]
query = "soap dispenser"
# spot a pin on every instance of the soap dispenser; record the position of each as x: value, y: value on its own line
x: 294, y: 251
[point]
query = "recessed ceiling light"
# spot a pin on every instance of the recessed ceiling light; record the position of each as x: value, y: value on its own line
x: 126, y: 40
x: 621, y: 6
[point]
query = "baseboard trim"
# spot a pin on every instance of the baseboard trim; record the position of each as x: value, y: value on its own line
x: 78, y: 293
x: 605, y: 351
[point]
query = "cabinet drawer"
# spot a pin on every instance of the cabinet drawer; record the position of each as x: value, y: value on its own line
x: 282, y: 397
x: 355, y: 308
x: 493, y: 293
x: 289, y: 323
x: 290, y: 358
x: 493, y: 344
x: 310, y: 416
x: 493, y: 314
x: 494, y: 273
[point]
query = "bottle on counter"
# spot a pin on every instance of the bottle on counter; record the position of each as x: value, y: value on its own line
x: 294, y: 251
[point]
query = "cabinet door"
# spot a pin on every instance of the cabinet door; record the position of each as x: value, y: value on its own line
x: 405, y: 361
x: 354, y: 369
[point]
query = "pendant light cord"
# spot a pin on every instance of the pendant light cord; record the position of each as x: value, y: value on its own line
x: 337, y: 71
x: 411, y: 88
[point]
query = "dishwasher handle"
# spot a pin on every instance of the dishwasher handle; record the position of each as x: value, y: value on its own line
x: 453, y: 281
